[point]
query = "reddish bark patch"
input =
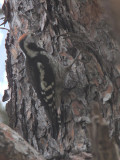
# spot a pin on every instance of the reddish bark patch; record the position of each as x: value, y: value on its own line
x: 7, y: 133
x: 3, y: 157
x: 90, y: 13
x: 77, y: 107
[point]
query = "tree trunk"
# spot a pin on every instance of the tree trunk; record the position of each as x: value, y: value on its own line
x: 66, y: 27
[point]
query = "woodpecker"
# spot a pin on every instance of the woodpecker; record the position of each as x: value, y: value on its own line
x: 47, y: 77
x: 41, y: 76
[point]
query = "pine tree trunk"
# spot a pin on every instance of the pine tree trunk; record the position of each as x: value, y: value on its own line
x: 66, y: 27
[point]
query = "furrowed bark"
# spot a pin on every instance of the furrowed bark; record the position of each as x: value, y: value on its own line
x: 64, y: 28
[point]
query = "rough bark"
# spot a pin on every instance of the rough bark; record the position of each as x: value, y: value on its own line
x: 102, y: 146
x: 13, y: 146
x: 94, y: 76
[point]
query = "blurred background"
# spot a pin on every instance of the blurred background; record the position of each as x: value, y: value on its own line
x: 3, y: 57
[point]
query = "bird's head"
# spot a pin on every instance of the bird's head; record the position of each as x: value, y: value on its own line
x: 28, y: 44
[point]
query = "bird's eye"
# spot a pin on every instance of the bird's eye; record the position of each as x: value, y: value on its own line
x: 32, y: 34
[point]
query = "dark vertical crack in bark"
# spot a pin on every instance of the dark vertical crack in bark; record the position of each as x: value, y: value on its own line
x: 23, y: 120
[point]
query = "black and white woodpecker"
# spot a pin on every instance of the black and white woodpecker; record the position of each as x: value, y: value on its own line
x: 41, y: 76
x: 47, y: 77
